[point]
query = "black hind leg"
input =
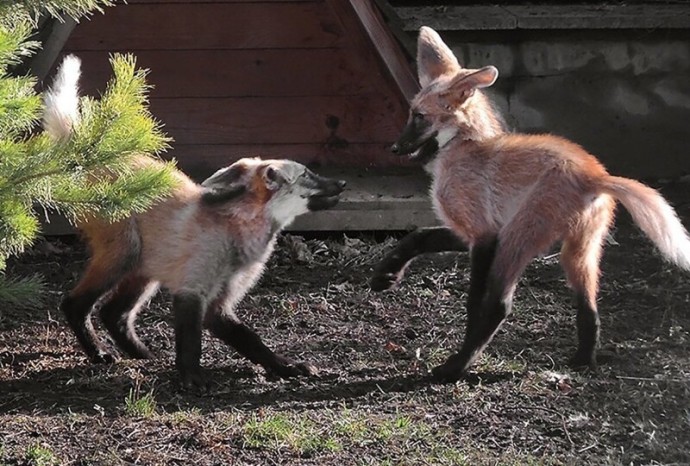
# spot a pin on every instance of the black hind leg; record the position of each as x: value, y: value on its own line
x: 587, y: 333
x: 120, y: 311
x: 77, y: 307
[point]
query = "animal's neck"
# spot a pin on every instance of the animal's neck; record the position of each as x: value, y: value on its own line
x: 483, y: 122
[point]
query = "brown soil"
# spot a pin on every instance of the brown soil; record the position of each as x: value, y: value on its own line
x: 372, y: 402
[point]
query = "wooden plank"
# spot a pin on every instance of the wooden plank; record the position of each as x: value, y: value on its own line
x: 200, y: 160
x: 208, y: 26
x: 281, y: 120
x: 601, y: 16
x: 372, y: 201
x: 387, y: 48
x: 360, y: 46
x: 237, y: 73
x: 457, y: 18
x: 337, y: 219
x: 365, y: 220
x: 575, y: 16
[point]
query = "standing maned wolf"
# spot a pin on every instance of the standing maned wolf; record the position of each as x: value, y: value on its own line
x: 510, y: 197
x: 205, y: 243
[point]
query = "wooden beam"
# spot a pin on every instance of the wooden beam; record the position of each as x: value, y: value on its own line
x: 386, y: 46
x: 44, y: 60
x: 627, y: 15
x: 377, y: 200
x: 397, y: 28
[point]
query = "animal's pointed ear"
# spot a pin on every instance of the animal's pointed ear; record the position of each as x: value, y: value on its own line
x: 482, y: 78
x: 463, y: 86
x: 434, y: 58
x: 273, y: 178
x: 225, y: 176
x: 224, y: 185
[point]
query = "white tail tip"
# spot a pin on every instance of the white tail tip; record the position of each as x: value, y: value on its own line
x: 62, y: 99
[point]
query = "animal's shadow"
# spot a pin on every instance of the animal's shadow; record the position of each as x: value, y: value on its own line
x: 90, y: 388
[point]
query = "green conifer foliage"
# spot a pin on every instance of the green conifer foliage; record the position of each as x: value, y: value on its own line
x: 73, y: 177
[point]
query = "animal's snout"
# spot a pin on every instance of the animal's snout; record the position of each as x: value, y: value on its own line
x: 341, y: 184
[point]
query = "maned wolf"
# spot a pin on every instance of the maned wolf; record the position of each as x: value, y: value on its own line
x: 510, y: 197
x: 207, y: 244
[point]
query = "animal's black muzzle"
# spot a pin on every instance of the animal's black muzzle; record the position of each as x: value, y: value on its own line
x: 413, y: 137
x: 327, y: 192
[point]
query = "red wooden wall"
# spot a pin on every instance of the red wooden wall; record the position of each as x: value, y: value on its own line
x: 295, y: 79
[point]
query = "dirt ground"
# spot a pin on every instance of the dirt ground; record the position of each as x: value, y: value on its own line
x: 371, y: 403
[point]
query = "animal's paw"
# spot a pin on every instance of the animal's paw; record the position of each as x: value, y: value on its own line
x: 384, y: 281
x: 444, y: 374
x: 450, y: 371
x: 287, y: 368
x: 102, y: 357
x: 193, y: 379
x: 583, y: 360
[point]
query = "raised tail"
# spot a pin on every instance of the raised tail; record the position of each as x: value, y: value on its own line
x: 655, y: 217
x: 61, y: 101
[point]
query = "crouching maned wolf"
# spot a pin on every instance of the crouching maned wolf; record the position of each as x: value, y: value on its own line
x: 508, y: 198
x: 207, y: 244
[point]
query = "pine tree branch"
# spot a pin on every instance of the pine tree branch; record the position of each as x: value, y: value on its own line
x: 31, y: 177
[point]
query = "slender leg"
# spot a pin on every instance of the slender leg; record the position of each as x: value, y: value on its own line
x: 227, y: 327
x: 497, y: 306
x: 188, y: 310
x: 425, y: 240
x: 78, y: 304
x: 530, y: 232
x: 580, y: 256
x: 120, y: 311
x: 587, y: 332
x: 481, y: 258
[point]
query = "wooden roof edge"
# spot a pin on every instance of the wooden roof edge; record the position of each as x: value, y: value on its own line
x: 54, y: 39
x: 444, y: 16
x: 390, y: 51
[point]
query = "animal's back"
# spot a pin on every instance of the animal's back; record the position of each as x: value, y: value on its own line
x: 156, y: 226
x: 479, y: 187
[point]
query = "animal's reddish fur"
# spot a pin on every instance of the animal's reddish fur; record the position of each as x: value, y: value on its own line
x: 514, y: 195
x: 207, y: 244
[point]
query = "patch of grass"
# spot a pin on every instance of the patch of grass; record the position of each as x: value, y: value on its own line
x: 40, y: 455
x: 138, y: 405
x: 183, y: 416
x: 399, y: 427
x: 279, y: 431
x: 500, y: 364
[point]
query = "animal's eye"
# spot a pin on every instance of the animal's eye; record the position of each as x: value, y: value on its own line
x: 418, y: 116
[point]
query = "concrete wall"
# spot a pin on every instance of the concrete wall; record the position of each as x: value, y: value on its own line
x: 622, y: 94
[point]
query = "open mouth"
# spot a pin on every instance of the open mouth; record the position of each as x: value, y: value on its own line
x: 426, y: 152
x: 328, y: 195
x: 416, y: 149
x: 322, y: 202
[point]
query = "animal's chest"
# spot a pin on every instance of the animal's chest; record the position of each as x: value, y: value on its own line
x: 247, y: 267
x: 464, y: 200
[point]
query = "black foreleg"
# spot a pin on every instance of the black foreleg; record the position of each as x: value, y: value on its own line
x: 188, y: 310
x: 481, y: 258
x: 496, y: 307
x: 422, y: 241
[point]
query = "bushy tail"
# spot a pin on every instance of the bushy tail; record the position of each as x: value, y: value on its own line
x: 62, y: 100
x: 655, y: 217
